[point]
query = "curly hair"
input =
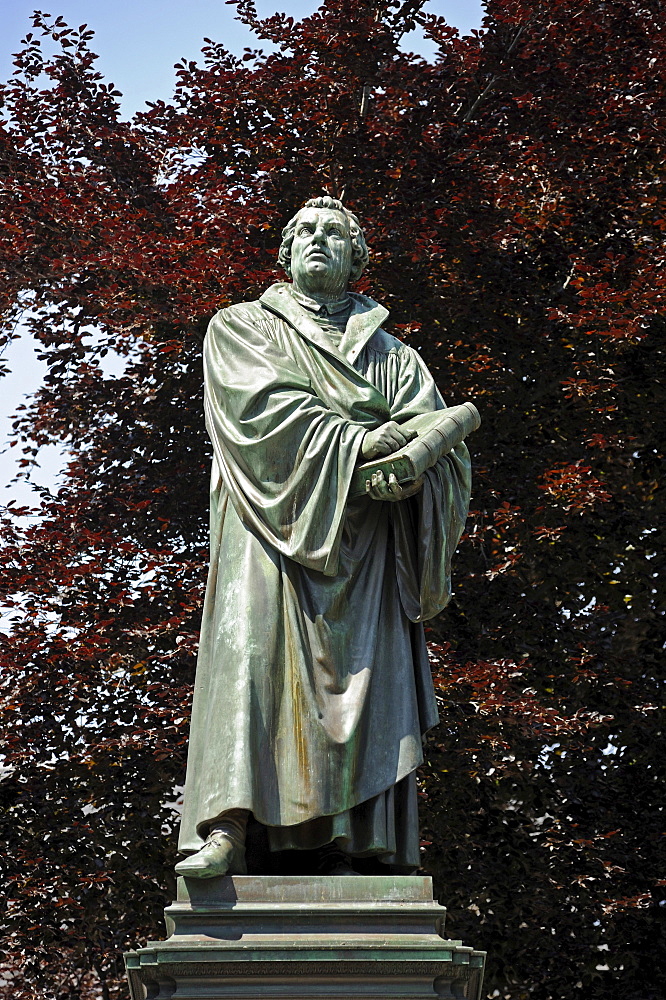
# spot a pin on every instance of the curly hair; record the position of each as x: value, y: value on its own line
x: 360, y: 254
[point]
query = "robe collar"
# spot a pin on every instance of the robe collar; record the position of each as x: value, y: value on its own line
x: 365, y: 319
x: 330, y: 308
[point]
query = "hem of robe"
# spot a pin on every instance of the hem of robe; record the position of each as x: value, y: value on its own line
x: 385, y: 827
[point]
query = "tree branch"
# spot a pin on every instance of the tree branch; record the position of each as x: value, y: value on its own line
x: 467, y: 117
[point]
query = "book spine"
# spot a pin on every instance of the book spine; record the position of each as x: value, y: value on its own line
x: 439, y: 441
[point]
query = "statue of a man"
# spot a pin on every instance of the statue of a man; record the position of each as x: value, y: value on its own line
x: 313, y: 689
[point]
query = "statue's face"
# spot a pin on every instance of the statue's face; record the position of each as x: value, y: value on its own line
x: 321, y: 253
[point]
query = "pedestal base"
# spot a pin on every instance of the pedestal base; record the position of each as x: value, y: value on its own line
x: 333, y: 937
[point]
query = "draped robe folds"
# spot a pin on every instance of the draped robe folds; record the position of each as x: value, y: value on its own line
x: 313, y: 689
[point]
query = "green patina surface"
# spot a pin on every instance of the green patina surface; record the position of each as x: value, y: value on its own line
x: 375, y: 935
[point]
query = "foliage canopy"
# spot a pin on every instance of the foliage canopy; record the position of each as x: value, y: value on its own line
x: 513, y: 194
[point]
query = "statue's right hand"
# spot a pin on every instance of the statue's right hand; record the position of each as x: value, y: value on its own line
x: 386, y: 439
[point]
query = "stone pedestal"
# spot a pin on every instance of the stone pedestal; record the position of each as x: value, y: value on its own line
x: 286, y: 938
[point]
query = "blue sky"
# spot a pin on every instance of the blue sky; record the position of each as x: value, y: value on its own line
x: 138, y: 44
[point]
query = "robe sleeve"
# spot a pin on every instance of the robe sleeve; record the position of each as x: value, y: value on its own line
x: 428, y: 526
x: 285, y: 458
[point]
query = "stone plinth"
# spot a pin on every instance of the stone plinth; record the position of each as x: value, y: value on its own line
x: 287, y: 938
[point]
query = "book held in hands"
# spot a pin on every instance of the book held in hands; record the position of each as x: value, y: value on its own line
x: 437, y: 433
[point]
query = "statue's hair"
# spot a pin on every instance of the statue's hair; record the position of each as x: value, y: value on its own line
x: 360, y: 254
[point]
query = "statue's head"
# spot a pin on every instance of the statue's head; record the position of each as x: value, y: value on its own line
x: 323, y: 244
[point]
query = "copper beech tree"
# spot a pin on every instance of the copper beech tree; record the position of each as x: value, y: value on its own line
x: 513, y: 192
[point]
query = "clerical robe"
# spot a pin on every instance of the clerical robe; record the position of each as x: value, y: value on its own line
x: 313, y: 689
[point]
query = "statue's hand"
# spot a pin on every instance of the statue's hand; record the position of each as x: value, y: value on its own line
x: 384, y: 440
x: 379, y: 489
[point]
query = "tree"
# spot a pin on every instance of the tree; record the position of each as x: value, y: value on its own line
x: 513, y: 190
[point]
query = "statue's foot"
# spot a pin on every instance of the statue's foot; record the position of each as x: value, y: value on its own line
x: 333, y: 861
x: 220, y: 855
x: 341, y: 868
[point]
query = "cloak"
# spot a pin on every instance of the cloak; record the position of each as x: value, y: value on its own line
x: 313, y: 689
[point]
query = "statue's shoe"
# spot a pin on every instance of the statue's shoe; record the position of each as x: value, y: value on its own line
x: 332, y: 861
x: 342, y: 868
x: 220, y: 855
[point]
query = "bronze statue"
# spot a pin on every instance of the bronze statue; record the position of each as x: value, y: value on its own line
x: 313, y: 689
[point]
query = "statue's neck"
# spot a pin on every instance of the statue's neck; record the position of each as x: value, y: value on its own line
x: 333, y: 292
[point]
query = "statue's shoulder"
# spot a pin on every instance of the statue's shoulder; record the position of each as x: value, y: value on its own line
x: 268, y: 308
x: 385, y: 343
x: 240, y: 314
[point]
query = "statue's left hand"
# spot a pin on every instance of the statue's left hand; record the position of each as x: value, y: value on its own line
x: 379, y: 489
